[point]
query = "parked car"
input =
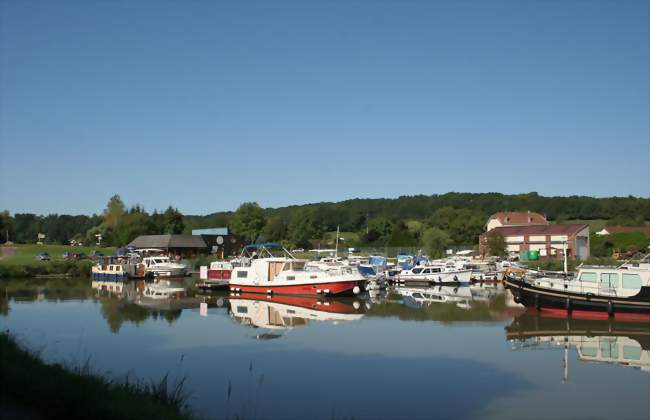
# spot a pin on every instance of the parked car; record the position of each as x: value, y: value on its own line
x: 43, y: 256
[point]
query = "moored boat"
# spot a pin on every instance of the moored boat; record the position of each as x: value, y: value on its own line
x: 162, y: 266
x: 216, y: 276
x: 117, y: 269
x: 263, y: 272
x: 595, y: 291
x: 435, y: 274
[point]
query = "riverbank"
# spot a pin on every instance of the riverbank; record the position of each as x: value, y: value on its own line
x: 38, y: 390
x: 19, y: 261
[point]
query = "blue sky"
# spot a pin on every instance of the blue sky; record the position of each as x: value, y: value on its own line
x: 204, y: 104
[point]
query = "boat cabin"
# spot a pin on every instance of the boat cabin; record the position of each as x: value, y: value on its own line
x: 625, y: 281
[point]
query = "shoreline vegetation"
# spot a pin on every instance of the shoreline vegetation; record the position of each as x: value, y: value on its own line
x: 33, y: 389
x: 19, y: 261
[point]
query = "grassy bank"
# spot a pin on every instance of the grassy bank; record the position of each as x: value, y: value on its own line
x: 19, y: 261
x: 38, y: 390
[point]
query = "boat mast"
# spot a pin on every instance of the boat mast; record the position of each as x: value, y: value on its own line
x: 565, y: 373
x: 336, y: 249
x: 566, y: 264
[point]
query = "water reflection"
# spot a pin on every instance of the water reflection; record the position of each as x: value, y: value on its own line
x: 138, y: 301
x: 482, y: 302
x: 280, y: 313
x: 595, y: 340
x: 444, y: 344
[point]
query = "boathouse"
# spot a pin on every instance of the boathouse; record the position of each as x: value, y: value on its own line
x: 548, y: 239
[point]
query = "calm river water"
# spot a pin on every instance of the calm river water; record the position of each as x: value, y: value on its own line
x: 405, y: 353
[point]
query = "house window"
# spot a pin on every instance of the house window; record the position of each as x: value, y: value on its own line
x: 609, y: 280
x: 631, y: 281
x: 588, y: 277
x: 242, y: 274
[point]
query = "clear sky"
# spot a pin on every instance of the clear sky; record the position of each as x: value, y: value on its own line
x: 204, y: 104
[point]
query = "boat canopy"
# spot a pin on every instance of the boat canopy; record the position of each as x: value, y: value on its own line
x: 263, y: 245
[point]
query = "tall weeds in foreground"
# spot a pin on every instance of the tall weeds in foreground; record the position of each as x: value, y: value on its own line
x: 55, y: 391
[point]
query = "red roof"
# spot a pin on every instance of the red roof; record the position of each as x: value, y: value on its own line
x: 627, y: 229
x: 519, y: 218
x: 559, y: 229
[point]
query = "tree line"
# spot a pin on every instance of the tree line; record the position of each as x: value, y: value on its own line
x: 117, y: 225
x: 435, y: 222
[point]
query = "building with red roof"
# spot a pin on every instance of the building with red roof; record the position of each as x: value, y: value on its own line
x: 548, y: 239
x: 514, y: 218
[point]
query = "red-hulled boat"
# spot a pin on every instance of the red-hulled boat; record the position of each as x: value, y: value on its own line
x: 263, y: 272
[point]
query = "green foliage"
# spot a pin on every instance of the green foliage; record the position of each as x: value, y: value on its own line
x: 248, y: 221
x: 605, y: 245
x: 401, y: 237
x: 496, y: 245
x: 115, y: 209
x: 625, y: 221
x: 173, y: 221
x: 275, y: 229
x: 58, y: 391
x: 435, y: 242
x: 463, y: 225
x: 305, y: 226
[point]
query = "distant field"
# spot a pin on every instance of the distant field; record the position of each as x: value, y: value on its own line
x: 25, y: 254
x: 595, y: 224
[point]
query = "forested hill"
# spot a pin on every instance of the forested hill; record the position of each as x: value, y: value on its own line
x: 452, y: 218
x: 351, y: 215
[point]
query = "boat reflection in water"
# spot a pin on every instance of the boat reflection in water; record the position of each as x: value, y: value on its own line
x: 595, y: 340
x: 461, y: 296
x: 418, y: 297
x: 279, y: 313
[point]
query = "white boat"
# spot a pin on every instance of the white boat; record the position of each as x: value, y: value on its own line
x: 263, y: 272
x: 327, y: 264
x: 163, y: 266
x: 436, y: 273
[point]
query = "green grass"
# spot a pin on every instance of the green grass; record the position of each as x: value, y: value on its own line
x: 19, y: 261
x: 41, y: 390
x: 25, y: 254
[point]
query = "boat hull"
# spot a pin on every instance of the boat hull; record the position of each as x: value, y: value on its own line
x: 351, y: 287
x: 579, y: 304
